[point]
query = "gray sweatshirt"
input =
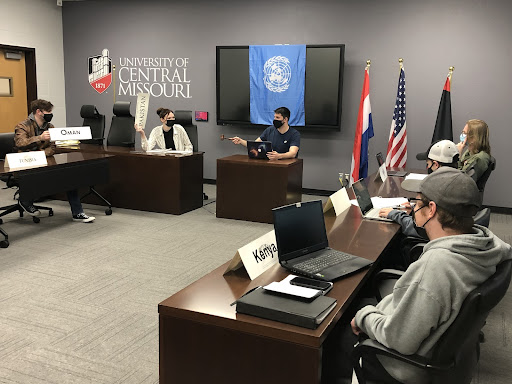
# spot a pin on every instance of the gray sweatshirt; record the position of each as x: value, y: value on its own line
x: 405, y: 220
x: 427, y: 298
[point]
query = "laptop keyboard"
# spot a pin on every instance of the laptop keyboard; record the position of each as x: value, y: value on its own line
x: 327, y: 260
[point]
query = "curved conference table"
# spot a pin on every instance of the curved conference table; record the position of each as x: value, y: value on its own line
x: 203, y: 339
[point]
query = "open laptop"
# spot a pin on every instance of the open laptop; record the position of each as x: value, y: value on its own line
x: 365, y: 202
x: 258, y: 149
x: 380, y: 160
x: 303, y: 247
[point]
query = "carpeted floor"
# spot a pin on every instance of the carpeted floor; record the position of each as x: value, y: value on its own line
x: 78, y: 302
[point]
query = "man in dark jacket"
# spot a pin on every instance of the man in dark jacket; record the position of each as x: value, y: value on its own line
x: 32, y: 135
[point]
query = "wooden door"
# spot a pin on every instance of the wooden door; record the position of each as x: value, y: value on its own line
x: 13, y: 108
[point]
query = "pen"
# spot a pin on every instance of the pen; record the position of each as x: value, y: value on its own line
x: 399, y: 207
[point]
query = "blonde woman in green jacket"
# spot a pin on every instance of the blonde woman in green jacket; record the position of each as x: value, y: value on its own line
x: 474, y: 148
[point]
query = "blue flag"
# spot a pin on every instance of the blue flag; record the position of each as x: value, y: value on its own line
x: 277, y: 79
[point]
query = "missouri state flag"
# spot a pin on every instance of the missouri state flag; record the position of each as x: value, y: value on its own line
x: 364, y: 131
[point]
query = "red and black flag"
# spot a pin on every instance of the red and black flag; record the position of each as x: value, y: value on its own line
x: 443, y: 129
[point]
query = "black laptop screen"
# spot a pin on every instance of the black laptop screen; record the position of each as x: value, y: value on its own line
x: 363, y: 196
x: 300, y: 229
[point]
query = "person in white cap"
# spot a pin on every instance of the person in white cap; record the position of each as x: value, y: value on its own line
x: 442, y: 153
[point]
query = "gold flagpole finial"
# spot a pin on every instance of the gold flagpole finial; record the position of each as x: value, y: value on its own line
x: 368, y: 62
x: 401, y: 63
x: 450, y: 72
x: 114, y: 75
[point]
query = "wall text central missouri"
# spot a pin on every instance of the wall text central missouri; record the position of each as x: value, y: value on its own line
x: 160, y: 76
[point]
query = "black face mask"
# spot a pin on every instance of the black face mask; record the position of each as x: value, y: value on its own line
x: 48, y: 117
x: 278, y: 123
x: 420, y: 230
x: 430, y: 170
x: 170, y: 123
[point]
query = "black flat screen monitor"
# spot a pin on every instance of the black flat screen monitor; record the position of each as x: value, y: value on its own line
x: 323, y: 88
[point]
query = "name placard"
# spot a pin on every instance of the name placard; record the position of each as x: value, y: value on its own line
x: 339, y: 201
x: 70, y: 133
x: 257, y: 256
x: 141, y: 112
x: 25, y: 160
x: 382, y: 174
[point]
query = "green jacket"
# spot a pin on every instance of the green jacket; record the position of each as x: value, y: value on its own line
x: 474, y: 165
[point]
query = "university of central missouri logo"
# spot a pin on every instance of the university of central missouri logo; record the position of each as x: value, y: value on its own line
x: 100, y: 71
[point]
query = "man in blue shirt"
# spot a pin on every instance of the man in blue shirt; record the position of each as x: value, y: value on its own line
x: 285, y: 139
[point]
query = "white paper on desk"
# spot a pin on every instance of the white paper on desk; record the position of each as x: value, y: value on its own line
x: 383, y: 202
x: 285, y: 287
x: 156, y: 151
x: 174, y: 152
x: 415, y: 176
x: 169, y: 151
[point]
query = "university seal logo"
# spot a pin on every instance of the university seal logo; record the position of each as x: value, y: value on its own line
x: 277, y: 74
x: 100, y: 71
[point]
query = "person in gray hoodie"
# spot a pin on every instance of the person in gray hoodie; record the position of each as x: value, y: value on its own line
x: 427, y: 298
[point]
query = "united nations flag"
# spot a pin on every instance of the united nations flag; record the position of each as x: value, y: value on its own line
x: 277, y: 78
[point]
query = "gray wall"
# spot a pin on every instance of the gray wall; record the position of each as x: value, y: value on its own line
x: 474, y: 36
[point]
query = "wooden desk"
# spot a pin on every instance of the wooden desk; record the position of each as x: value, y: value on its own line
x: 64, y: 172
x: 151, y: 182
x: 248, y: 189
x: 204, y: 340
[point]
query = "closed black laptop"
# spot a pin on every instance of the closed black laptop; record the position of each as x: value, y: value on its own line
x: 303, y: 247
x: 258, y: 149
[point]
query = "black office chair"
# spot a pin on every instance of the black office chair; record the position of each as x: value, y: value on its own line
x: 122, y: 132
x: 96, y: 121
x: 457, y: 352
x: 483, y: 217
x: 6, y: 146
x: 485, y: 176
x: 184, y: 118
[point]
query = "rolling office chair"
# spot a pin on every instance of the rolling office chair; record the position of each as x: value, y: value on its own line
x: 483, y: 217
x: 6, y: 146
x: 96, y: 121
x: 457, y: 352
x: 483, y: 179
x: 121, y: 131
x: 184, y: 118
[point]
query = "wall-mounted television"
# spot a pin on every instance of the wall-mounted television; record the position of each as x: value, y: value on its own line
x: 323, y: 87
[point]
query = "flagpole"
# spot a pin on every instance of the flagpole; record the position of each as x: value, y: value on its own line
x: 401, y: 65
x: 368, y: 62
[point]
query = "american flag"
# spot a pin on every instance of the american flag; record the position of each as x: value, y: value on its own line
x: 397, y: 144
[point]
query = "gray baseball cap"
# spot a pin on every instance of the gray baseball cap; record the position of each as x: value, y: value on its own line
x: 450, y: 189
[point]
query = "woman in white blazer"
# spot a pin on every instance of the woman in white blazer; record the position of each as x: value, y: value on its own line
x: 166, y: 136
